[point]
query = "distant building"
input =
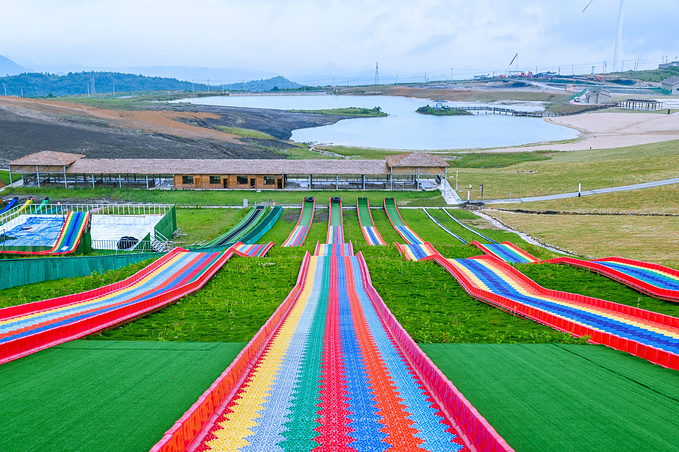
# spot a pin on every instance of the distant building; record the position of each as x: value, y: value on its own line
x: 595, y: 97
x: 668, y: 65
x: 640, y: 104
x: 671, y: 84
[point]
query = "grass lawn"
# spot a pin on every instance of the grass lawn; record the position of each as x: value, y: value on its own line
x: 104, y: 396
x: 650, y: 239
x: 198, y: 198
x: 566, y: 397
x: 564, y: 170
x: 663, y: 199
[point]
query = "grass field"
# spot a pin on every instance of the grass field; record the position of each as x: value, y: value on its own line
x: 650, y: 239
x: 104, y: 396
x: 566, y: 397
x: 649, y: 200
x: 564, y: 170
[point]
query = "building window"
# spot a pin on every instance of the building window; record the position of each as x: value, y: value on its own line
x: 215, y: 180
x: 242, y: 180
x: 269, y: 180
x: 187, y: 180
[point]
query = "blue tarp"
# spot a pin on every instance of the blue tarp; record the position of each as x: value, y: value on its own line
x: 40, y: 230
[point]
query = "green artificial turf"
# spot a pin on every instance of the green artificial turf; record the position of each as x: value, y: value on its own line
x: 104, y: 396
x: 555, y: 397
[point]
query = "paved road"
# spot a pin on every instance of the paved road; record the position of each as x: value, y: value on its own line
x: 584, y: 193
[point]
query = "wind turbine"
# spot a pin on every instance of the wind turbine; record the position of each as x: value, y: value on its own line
x: 618, y: 38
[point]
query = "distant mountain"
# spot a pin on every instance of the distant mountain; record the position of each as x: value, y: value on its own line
x: 271, y: 84
x: 38, y: 84
x: 74, y: 83
x: 9, y: 67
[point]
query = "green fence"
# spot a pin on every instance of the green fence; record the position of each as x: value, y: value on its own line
x: 168, y: 224
x: 17, y: 272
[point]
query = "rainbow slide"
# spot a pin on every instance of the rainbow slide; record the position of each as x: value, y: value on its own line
x: 415, y: 248
x: 652, y: 279
x: 27, y: 328
x: 365, y: 219
x: 335, y: 221
x: 301, y: 229
x: 72, y: 235
x: 9, y: 211
x: 507, y: 252
x: 239, y: 230
x: 332, y: 370
x: 646, y: 334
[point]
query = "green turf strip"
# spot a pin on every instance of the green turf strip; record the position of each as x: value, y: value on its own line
x: 104, y: 396
x: 542, y: 397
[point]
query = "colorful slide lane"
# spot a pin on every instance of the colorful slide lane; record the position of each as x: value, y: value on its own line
x: 10, y: 212
x: 507, y: 252
x: 335, y: 221
x: 365, y: 219
x: 301, y: 229
x: 332, y: 370
x: 76, y: 225
x: 646, y: 334
x: 10, y: 205
x: 239, y: 230
x: 399, y: 225
x: 27, y: 328
x: 652, y: 279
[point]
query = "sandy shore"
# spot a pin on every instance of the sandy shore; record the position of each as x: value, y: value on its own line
x: 610, y: 130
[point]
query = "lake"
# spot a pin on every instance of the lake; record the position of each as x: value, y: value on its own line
x: 404, y: 128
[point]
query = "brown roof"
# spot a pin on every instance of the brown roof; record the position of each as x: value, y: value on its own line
x: 47, y: 158
x: 415, y: 159
x: 227, y: 166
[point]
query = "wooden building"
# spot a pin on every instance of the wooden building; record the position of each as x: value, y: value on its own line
x: 671, y: 85
x: 397, y: 172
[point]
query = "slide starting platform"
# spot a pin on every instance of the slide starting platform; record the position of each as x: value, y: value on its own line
x: 652, y: 279
x: 332, y: 370
x: 301, y: 229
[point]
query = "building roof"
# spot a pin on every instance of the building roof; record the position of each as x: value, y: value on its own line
x: 415, y: 159
x: 47, y: 158
x: 671, y: 81
x: 228, y: 166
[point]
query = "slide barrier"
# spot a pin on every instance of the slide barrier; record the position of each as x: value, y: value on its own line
x: 365, y: 219
x: 332, y: 369
x: 301, y: 229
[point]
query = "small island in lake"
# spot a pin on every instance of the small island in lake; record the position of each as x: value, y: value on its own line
x: 442, y: 111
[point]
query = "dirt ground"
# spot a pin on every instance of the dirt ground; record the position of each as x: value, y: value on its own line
x: 163, y: 131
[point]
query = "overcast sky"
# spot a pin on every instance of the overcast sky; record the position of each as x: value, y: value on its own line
x: 303, y: 36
